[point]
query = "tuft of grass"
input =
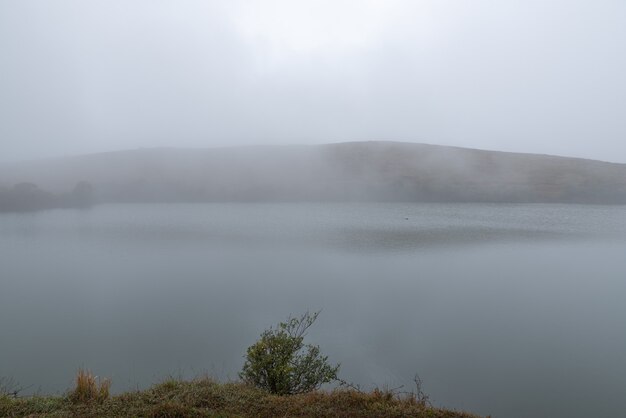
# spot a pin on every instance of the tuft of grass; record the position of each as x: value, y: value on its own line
x: 90, y: 388
x: 171, y: 410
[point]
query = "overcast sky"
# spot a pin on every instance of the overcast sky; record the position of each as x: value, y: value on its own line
x: 543, y: 76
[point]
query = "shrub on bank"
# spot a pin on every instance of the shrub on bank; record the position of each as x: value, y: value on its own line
x: 281, y: 363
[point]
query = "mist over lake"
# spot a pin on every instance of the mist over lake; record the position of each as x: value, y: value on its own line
x: 279, y: 208
x: 503, y: 309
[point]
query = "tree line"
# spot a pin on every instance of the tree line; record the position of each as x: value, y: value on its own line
x: 28, y: 197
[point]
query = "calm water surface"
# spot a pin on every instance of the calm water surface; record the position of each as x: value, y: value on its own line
x: 509, y: 310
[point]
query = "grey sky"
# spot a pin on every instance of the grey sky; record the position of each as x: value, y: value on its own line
x: 529, y: 75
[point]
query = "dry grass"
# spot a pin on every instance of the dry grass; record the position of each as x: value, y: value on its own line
x: 206, y: 398
x: 90, y: 388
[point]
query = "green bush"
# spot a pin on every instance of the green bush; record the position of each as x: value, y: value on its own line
x: 281, y: 363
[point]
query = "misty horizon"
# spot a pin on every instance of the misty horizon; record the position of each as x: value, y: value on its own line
x: 372, y: 171
x: 532, y: 77
x: 276, y: 145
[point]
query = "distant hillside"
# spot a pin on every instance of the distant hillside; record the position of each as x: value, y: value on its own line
x: 373, y: 171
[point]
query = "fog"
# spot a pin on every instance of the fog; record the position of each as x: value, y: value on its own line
x: 530, y: 76
x: 445, y: 180
x: 356, y: 171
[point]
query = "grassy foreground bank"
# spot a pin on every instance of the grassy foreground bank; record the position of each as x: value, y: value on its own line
x: 206, y: 398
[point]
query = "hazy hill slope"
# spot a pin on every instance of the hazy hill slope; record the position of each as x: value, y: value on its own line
x: 379, y: 171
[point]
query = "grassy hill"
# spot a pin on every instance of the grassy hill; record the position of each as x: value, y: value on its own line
x: 205, y: 398
x: 368, y: 171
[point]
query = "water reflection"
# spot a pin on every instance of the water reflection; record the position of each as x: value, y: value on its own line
x: 529, y: 323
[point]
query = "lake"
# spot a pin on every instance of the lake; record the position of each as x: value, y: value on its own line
x: 509, y: 310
